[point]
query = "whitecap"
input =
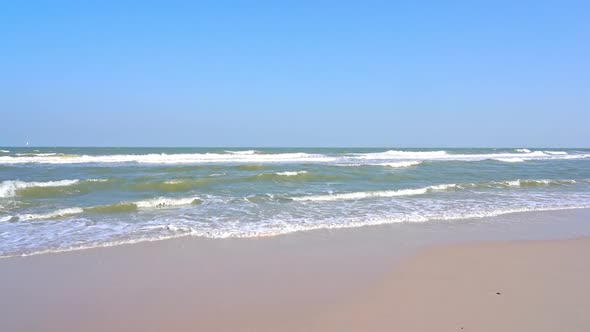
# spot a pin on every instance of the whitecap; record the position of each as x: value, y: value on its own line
x: 510, y: 160
x: 50, y: 215
x: 374, y: 194
x: 400, y: 164
x: 294, y: 173
x: 162, y: 202
x: 11, y: 187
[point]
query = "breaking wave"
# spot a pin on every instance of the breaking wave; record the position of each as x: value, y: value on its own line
x: 155, y: 203
x: 192, y: 158
x: 258, y: 158
x: 11, y: 188
x: 429, y: 189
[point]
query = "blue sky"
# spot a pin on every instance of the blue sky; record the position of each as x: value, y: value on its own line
x: 317, y: 73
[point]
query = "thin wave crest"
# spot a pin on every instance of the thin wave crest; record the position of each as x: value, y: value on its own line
x: 10, y: 188
x: 374, y: 194
x: 430, y: 189
x: 155, y: 203
x: 192, y: 158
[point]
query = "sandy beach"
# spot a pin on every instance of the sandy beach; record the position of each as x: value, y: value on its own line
x: 344, y: 280
x: 294, y: 166
x: 511, y: 286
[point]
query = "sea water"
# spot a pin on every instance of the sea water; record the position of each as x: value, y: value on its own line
x: 56, y: 199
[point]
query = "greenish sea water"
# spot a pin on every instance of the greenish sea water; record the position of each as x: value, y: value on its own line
x: 55, y: 199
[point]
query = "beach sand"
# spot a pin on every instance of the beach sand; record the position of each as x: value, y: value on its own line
x: 343, y: 280
x: 511, y: 286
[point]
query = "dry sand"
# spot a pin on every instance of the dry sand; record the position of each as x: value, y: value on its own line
x: 347, y: 280
x: 514, y: 286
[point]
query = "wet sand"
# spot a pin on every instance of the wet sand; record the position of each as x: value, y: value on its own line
x: 345, y: 280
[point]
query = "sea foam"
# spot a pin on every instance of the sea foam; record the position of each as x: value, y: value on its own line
x: 11, y: 187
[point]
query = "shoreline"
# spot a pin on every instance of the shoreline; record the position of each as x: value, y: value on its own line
x: 457, y: 222
x: 296, y: 282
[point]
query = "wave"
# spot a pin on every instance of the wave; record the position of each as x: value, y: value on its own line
x: 509, y: 160
x: 112, y: 208
x: 264, y: 198
x: 374, y: 194
x: 162, y: 202
x: 533, y: 183
x: 394, y: 164
x: 185, y: 230
x: 400, y: 164
x: 155, y: 203
x: 521, y: 155
x: 10, y: 188
x: 246, y: 152
x: 193, y: 158
x: 258, y: 158
x: 5, y: 151
x: 15, y: 188
x: 176, y: 230
x: 293, y: 173
x: 392, y: 154
x: 40, y: 154
x: 176, y: 185
x: 292, y: 176
x: 181, y: 185
x: 50, y: 215
x: 430, y: 189
x: 251, y: 167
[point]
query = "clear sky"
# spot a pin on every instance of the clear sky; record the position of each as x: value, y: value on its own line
x: 300, y: 73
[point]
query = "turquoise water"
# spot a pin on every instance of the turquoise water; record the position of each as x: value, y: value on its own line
x: 54, y: 199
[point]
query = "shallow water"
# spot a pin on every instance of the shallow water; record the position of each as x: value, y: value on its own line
x: 54, y: 199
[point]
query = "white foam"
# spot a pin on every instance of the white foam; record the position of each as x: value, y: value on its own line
x: 4, y: 151
x: 419, y: 191
x: 37, y: 154
x: 393, y: 154
x: 171, y: 158
x: 510, y: 160
x: 523, y: 150
x: 442, y: 187
x: 246, y: 152
x: 11, y: 187
x: 180, y: 230
x: 556, y: 153
x: 173, y: 181
x: 251, y: 156
x: 50, y: 215
x: 514, y: 183
x: 400, y: 164
x: 519, y: 182
x: 374, y: 194
x: 294, y: 173
x: 162, y: 202
x: 396, y: 156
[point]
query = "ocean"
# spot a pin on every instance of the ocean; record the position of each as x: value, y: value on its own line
x: 60, y: 199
